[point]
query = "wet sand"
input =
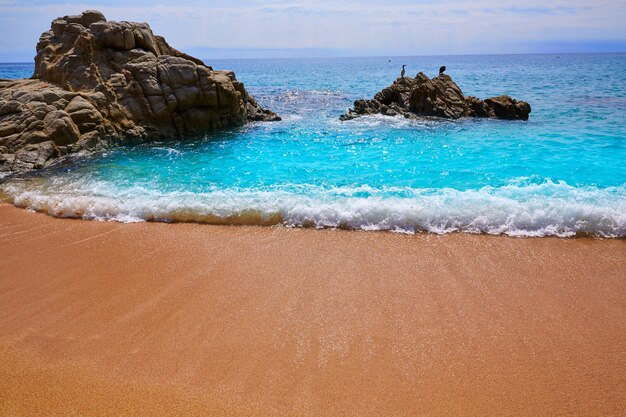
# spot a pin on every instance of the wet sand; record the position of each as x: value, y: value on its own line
x: 182, y: 319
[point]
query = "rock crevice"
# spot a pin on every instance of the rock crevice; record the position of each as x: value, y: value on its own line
x: 98, y: 83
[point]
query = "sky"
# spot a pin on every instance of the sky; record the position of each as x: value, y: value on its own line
x: 313, y: 28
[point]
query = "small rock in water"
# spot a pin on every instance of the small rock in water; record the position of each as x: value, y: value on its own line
x: 440, y: 97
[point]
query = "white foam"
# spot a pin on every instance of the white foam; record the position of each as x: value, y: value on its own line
x: 292, y: 117
x: 167, y: 150
x: 398, y: 121
x: 517, y: 209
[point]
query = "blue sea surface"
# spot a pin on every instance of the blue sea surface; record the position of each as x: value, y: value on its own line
x: 562, y: 173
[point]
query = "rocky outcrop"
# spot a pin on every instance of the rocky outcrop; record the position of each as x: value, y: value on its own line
x: 438, y: 97
x: 99, y: 83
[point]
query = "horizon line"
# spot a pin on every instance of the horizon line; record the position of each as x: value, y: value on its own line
x: 383, y: 56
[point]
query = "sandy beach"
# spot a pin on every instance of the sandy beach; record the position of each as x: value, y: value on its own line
x: 103, y: 318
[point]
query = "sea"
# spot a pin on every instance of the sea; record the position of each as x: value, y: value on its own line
x: 561, y: 173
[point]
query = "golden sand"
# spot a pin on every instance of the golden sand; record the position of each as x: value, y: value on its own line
x: 182, y: 319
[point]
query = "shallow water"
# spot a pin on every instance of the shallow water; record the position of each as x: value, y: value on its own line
x: 561, y: 173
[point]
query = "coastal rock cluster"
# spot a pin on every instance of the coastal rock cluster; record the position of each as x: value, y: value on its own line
x: 439, y: 97
x: 98, y: 83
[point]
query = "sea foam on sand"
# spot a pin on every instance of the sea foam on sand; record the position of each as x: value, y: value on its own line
x: 516, y: 209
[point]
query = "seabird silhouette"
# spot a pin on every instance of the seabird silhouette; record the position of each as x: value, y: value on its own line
x: 442, y: 69
x: 403, y: 71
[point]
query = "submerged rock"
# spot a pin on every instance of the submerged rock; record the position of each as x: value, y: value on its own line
x: 99, y: 83
x: 439, y: 97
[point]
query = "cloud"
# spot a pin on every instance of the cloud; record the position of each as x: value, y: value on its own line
x: 365, y: 27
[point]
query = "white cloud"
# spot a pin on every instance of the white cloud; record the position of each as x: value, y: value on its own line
x: 411, y: 27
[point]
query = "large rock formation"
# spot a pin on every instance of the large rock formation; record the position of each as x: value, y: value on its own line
x: 99, y: 83
x: 439, y: 97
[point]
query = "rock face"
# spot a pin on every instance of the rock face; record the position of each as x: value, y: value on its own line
x: 99, y: 83
x: 439, y: 97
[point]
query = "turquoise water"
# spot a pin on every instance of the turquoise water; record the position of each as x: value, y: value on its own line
x: 561, y: 173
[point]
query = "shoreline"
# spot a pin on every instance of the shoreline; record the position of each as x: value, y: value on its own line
x: 256, y: 218
x: 106, y: 318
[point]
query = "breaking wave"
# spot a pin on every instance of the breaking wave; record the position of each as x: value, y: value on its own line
x: 516, y: 209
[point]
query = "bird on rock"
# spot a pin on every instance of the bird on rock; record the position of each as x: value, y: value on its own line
x: 403, y: 71
x: 442, y: 69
